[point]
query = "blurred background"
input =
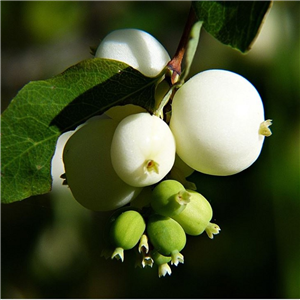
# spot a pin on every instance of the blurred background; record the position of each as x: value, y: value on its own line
x: 51, y: 245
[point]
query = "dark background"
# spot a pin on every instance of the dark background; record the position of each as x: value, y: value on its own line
x: 51, y: 246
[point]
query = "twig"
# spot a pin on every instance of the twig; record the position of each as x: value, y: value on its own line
x: 175, y: 64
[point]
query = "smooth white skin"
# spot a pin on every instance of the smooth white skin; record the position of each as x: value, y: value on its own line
x: 216, y: 117
x: 89, y: 171
x: 138, y: 139
x: 136, y: 48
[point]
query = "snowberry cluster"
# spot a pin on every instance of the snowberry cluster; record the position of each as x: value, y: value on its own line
x: 137, y: 163
x: 159, y: 228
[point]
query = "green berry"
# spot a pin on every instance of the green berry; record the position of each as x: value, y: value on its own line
x: 166, y: 236
x: 169, y: 198
x: 162, y: 262
x: 160, y: 259
x: 196, y: 216
x: 125, y: 232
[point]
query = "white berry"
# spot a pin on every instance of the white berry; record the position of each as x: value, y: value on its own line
x: 142, y: 150
x: 136, y: 48
x: 90, y: 175
x: 218, y: 122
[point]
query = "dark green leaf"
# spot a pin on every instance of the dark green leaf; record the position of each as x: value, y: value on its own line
x: 234, y: 23
x: 42, y: 110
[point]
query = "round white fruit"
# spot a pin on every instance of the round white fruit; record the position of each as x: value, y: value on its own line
x: 136, y: 48
x: 216, y: 121
x: 90, y: 175
x: 142, y: 150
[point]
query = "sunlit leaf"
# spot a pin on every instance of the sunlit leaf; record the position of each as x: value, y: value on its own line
x: 234, y: 23
x: 42, y: 110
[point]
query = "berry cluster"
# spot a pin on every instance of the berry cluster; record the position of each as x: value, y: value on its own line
x: 137, y: 163
x: 157, y: 223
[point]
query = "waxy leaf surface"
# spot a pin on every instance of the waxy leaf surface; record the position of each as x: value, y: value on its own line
x: 233, y: 23
x: 42, y: 110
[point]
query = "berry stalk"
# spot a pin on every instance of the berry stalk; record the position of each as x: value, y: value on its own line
x: 175, y: 64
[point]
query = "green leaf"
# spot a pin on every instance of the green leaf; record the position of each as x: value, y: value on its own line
x: 42, y: 110
x: 234, y: 23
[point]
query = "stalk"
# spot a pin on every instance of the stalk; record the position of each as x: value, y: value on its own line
x: 175, y: 64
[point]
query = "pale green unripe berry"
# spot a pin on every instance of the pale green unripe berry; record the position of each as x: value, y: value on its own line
x: 169, y: 198
x: 196, y: 216
x: 167, y: 237
x: 125, y: 232
x: 142, y: 149
x: 162, y: 262
x: 218, y: 122
x: 160, y: 259
x: 136, y: 48
x: 89, y: 171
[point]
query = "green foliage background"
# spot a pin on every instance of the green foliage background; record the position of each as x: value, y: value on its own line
x: 51, y: 246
